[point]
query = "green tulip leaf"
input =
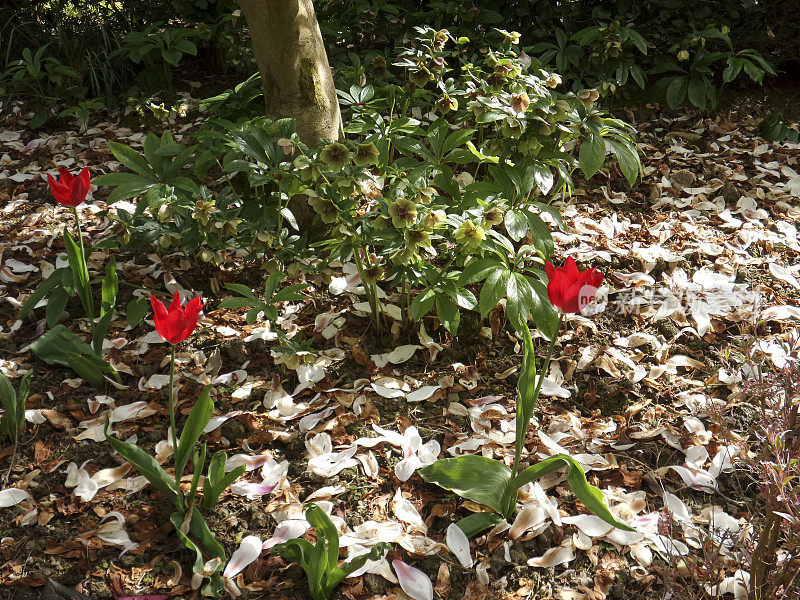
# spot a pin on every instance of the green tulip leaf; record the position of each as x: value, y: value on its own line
x: 475, y: 478
x: 193, y: 429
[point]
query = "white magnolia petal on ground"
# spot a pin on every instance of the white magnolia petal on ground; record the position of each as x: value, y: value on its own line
x: 413, y: 581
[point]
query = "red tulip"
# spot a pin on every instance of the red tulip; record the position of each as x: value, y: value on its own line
x: 69, y: 190
x: 569, y: 289
x: 177, y: 322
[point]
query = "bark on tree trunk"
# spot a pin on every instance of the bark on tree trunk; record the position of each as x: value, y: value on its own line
x: 295, y: 72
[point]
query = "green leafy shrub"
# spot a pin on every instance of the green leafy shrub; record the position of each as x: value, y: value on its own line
x: 470, y: 152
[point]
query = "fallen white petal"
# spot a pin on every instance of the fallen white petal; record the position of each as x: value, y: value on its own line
x: 247, y: 552
x: 413, y: 581
x: 458, y: 543
x: 12, y: 497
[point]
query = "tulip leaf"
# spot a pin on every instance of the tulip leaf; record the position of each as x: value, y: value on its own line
x: 110, y: 286
x: 526, y: 392
x: 336, y: 575
x: 177, y: 519
x: 193, y: 429
x: 9, y: 421
x: 80, y: 273
x: 56, y: 304
x: 214, y: 488
x: 87, y: 369
x: 591, y: 496
x: 147, y: 466
x: 44, y: 288
x: 473, y: 477
x: 59, y: 346
x: 478, y: 522
x: 199, y: 529
x: 136, y: 311
x: 326, y: 530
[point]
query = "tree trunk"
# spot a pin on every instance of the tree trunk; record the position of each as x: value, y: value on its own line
x: 295, y: 73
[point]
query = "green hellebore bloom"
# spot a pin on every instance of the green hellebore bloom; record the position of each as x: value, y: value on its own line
x: 366, y: 154
x: 447, y: 104
x: 335, y: 155
x: 419, y: 76
x: 425, y: 195
x: 434, y: 218
x: 404, y: 256
x: 324, y: 208
x: 373, y: 274
x: 403, y: 212
x: 492, y: 217
x: 470, y: 234
x: 417, y: 238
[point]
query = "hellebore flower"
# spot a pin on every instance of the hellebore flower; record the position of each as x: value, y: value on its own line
x: 569, y: 289
x: 68, y: 190
x: 470, y: 234
x: 335, y: 155
x: 366, y: 154
x: 417, y: 238
x: 520, y: 102
x: 434, y: 218
x: 492, y: 217
x: 326, y: 209
x: 177, y: 322
x: 403, y: 212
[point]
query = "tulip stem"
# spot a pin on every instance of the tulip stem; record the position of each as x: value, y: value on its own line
x: 85, y: 269
x: 172, y: 412
x: 539, y: 381
x: 546, y: 363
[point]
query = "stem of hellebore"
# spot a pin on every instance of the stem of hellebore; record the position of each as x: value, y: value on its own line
x: 172, y: 412
x: 372, y: 293
x: 406, y: 301
x: 85, y: 268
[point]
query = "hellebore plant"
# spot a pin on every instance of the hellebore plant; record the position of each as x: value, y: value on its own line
x: 492, y: 483
x: 175, y: 324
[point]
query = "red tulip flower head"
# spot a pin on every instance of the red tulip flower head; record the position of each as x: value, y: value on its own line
x: 177, y: 322
x: 569, y: 289
x: 68, y: 190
